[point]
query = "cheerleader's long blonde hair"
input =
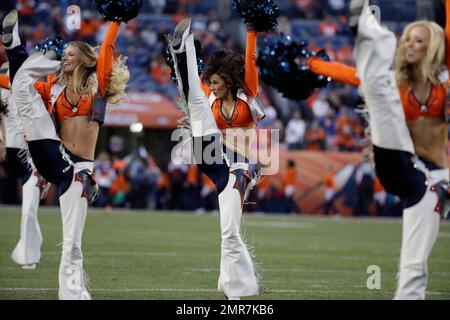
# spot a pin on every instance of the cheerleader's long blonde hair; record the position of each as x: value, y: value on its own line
x: 83, y: 80
x: 433, y: 61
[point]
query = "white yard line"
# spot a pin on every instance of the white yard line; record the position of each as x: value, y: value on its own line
x: 278, y: 224
x: 92, y: 255
x: 118, y: 290
x: 315, y: 270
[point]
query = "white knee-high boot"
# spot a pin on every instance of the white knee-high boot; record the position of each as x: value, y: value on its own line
x: 375, y: 53
x: 203, y: 122
x: 195, y: 106
x: 72, y: 279
x: 201, y: 117
x: 419, y: 233
x: 238, y: 277
x: 28, y: 250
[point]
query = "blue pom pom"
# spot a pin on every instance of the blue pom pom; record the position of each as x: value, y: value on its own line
x: 283, y: 65
x: 58, y: 45
x: 118, y: 10
x: 261, y: 15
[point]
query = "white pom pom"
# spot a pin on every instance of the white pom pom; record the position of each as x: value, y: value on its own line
x: 443, y: 76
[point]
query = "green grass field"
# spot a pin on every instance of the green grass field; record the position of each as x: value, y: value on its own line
x: 145, y: 255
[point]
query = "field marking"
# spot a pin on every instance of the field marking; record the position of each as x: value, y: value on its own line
x: 15, y: 209
x: 286, y: 291
x: 276, y: 270
x: 337, y: 271
x: 118, y: 253
x: 185, y: 254
x: 278, y: 224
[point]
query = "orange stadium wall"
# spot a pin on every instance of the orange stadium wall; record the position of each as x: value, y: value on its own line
x: 311, y: 168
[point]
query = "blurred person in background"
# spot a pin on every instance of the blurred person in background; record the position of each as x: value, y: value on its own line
x: 141, y: 179
x: 290, y: 185
x: 364, y: 179
x: 330, y: 192
x: 120, y: 186
x: 315, y: 137
x: 177, y: 171
x: 104, y: 175
x: 295, y: 131
x: 163, y: 194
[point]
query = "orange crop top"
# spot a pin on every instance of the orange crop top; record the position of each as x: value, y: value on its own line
x: 435, y: 105
x: 241, y: 116
x: 63, y: 109
x: 433, y: 108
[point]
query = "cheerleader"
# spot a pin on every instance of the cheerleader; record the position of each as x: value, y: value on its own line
x: 211, y: 109
x: 408, y: 126
x: 64, y: 153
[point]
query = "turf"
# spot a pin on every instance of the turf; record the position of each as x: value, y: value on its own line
x: 148, y: 255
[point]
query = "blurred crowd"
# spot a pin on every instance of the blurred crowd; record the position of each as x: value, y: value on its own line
x: 136, y: 181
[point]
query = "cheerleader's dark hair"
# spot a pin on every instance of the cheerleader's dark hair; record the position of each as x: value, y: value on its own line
x: 229, y: 66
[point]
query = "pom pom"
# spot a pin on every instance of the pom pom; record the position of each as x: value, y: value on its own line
x: 58, y: 45
x: 118, y: 10
x: 283, y: 65
x: 261, y: 15
x: 200, y: 62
